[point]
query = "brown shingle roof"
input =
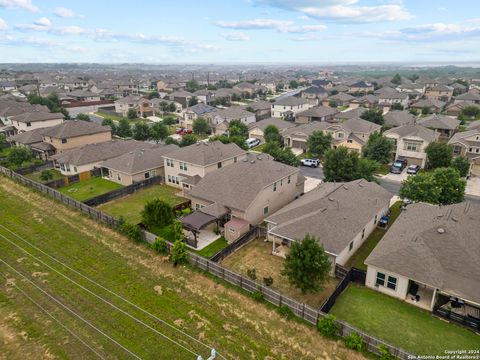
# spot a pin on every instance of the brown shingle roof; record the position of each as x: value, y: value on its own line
x: 203, y: 153
x: 73, y: 128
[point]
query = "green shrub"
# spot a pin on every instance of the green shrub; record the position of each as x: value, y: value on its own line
x: 327, y: 326
x: 252, y: 273
x: 46, y: 175
x: 178, y: 253
x: 257, y: 295
x: 268, y: 281
x: 286, y: 312
x: 385, y: 353
x: 355, y: 342
x: 132, y: 231
x: 159, y: 246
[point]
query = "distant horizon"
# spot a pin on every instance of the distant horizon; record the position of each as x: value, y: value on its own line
x: 241, y: 31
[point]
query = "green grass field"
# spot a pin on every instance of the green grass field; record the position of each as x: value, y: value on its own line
x: 90, y: 188
x: 35, y: 176
x: 213, y: 248
x: 221, y: 317
x: 401, y: 324
x: 358, y: 259
x: 131, y: 206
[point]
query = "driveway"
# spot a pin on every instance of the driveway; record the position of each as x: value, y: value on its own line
x: 311, y: 183
x: 312, y: 172
x: 473, y: 186
x: 396, y: 177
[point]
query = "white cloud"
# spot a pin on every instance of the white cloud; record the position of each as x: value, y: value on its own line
x: 3, y: 24
x: 342, y: 10
x: 19, y: 4
x: 236, y: 36
x: 64, y: 12
x: 43, y: 22
x: 285, y: 26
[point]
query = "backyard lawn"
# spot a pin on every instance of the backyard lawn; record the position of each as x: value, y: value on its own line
x: 358, y: 259
x: 213, y: 248
x: 401, y: 324
x: 35, y: 176
x: 257, y: 254
x: 90, y: 188
x: 131, y: 206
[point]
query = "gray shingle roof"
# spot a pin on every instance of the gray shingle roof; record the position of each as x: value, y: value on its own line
x: 280, y: 124
x: 33, y: 116
x: 398, y: 118
x: 236, y: 185
x: 447, y: 259
x: 92, y: 153
x: 29, y: 137
x: 318, y: 111
x: 440, y: 122
x: 291, y: 101
x: 201, y: 109
x: 414, y: 130
x: 73, y: 128
x: 333, y: 212
x: 234, y: 112
x: 203, y: 153
x: 139, y: 160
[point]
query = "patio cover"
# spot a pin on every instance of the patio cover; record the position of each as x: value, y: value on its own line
x: 197, y: 220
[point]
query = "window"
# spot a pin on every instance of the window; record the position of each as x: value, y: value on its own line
x: 380, y: 279
x: 289, y: 179
x: 265, y: 210
x: 169, y: 178
x: 340, y: 135
x: 392, y: 282
x: 219, y: 165
x: 64, y: 141
x: 350, y: 246
x: 147, y: 175
x: 75, y: 168
x: 29, y: 124
x: 363, y: 233
x: 411, y: 146
x: 275, y: 186
x: 470, y: 150
x: 118, y: 177
x: 235, y: 159
x: 349, y: 141
x: 457, y: 149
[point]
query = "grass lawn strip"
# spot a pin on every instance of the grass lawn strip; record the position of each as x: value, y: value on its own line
x: 88, y: 189
x: 234, y: 324
x: 131, y: 206
x: 35, y: 176
x: 213, y: 248
x: 401, y: 324
x: 358, y: 259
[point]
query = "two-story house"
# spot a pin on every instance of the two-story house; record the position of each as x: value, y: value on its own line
x: 439, y: 92
x: 410, y: 142
x: 186, y: 166
x: 289, y: 106
x: 36, y: 119
x: 194, y: 112
x: 446, y: 126
x: 221, y: 118
x: 467, y: 143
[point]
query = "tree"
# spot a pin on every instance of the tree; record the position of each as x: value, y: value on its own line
x: 462, y: 165
x: 293, y: 84
x: 397, y: 79
x: 157, y: 213
x: 439, y: 154
x: 124, y: 130
x: 441, y: 186
x: 158, y: 132
x: 192, y: 85
x: 178, y: 253
x: 341, y: 165
x: 283, y: 155
x: 200, y: 126
x: 471, y: 112
x: 132, y: 114
x: 250, y: 109
x: 111, y: 123
x: 46, y: 175
x: 193, y: 101
x: 318, y: 143
x: 188, y: 139
x: 141, y: 131
x: 171, y: 107
x: 307, y: 266
x: 18, y: 155
x: 378, y: 148
x: 425, y: 110
x: 333, y: 92
x: 3, y: 142
x: 169, y: 120
x: 332, y: 104
x: 154, y: 94
x: 373, y: 115
x: 237, y: 128
x: 413, y: 77
x: 83, y: 117
x: 272, y: 134
x: 396, y: 106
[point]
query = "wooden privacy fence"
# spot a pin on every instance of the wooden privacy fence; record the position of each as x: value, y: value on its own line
x: 253, y: 233
x: 352, y: 275
x: 127, y: 190
x: 35, y: 167
x: 300, y: 310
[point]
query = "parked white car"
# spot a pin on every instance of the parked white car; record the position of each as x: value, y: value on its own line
x: 310, y: 162
x: 252, y: 142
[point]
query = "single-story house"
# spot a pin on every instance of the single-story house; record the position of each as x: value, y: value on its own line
x: 137, y: 165
x: 316, y: 113
x: 262, y: 109
x: 340, y: 99
x: 221, y: 118
x: 430, y: 258
x: 340, y: 215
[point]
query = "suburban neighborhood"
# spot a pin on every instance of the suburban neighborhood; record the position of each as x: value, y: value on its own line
x: 209, y: 208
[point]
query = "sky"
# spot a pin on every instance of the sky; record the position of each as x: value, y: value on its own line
x: 231, y: 31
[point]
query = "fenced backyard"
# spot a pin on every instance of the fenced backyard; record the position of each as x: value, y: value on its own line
x: 301, y: 310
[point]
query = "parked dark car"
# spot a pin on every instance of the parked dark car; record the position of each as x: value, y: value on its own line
x: 398, y: 166
x: 413, y: 169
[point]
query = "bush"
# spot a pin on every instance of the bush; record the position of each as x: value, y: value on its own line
x: 268, y: 281
x: 327, y: 326
x: 46, y: 175
x: 385, y: 353
x: 157, y: 212
x: 160, y: 246
x: 252, y: 273
x: 286, y: 312
x: 355, y: 342
x: 257, y: 295
x: 132, y: 231
x: 178, y: 253
x: 18, y: 155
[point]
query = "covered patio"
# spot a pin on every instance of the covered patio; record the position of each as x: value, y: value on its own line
x: 458, y: 310
x: 420, y: 295
x: 202, y: 227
